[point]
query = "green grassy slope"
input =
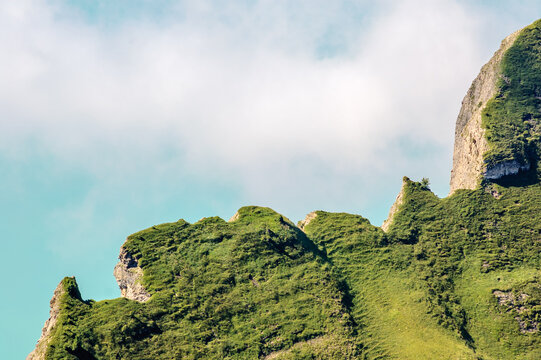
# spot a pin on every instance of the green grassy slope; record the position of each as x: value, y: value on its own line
x: 467, y: 247
x: 259, y: 287
x: 240, y: 290
x: 453, y: 278
x: 389, y: 302
x: 426, y: 290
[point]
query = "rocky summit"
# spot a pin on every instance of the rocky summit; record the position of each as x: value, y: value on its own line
x: 451, y: 278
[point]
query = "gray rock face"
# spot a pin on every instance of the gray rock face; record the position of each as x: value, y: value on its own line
x: 504, y: 168
x: 518, y: 304
x: 128, y: 275
x: 39, y: 352
x: 470, y: 141
x: 397, y: 203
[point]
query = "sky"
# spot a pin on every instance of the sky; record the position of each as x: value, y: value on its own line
x: 115, y: 116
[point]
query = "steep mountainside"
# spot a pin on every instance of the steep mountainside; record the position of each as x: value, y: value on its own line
x: 470, y: 138
x: 497, y: 130
x: 452, y: 278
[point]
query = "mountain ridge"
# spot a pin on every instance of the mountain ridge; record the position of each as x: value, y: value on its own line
x: 451, y: 278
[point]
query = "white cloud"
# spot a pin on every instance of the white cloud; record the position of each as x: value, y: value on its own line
x: 242, y: 91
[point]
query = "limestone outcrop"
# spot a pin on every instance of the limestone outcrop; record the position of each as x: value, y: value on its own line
x: 39, y: 352
x: 128, y: 275
x: 470, y: 141
x: 235, y: 217
x: 396, y: 205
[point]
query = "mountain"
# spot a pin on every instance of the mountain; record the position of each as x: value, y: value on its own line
x: 452, y: 278
x: 497, y: 130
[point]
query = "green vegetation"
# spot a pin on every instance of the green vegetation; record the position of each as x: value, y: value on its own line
x: 389, y: 301
x: 453, y: 278
x: 512, y: 118
x: 239, y: 290
x: 473, y: 235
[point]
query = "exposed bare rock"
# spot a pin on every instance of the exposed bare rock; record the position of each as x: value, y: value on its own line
x: 39, y: 352
x: 397, y: 203
x: 128, y: 275
x: 303, y: 223
x: 518, y: 304
x: 511, y: 167
x: 493, y: 191
x: 234, y: 217
x: 470, y: 141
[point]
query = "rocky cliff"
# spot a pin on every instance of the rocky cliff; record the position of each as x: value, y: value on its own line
x: 498, y: 128
x: 43, y: 342
x: 470, y: 139
x: 66, y: 297
x: 128, y: 275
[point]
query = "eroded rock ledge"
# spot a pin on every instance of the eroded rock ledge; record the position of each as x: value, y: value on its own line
x: 511, y: 167
x: 128, y: 275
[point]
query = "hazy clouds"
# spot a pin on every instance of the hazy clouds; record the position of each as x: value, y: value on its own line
x: 314, y: 102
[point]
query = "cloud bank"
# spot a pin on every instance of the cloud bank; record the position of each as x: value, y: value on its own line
x: 316, y: 103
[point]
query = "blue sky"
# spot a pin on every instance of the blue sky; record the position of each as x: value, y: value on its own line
x: 115, y: 116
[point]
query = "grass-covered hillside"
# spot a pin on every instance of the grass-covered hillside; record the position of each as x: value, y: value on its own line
x: 454, y: 278
x: 247, y: 289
